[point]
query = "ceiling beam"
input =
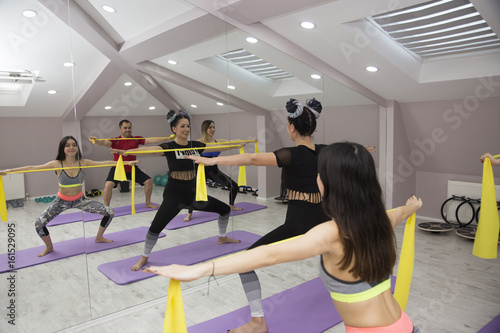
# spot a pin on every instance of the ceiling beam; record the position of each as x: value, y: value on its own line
x: 271, y: 37
x: 180, y: 80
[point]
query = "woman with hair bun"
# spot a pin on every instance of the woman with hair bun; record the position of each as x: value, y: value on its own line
x: 357, y: 246
x: 180, y: 190
x: 299, y: 167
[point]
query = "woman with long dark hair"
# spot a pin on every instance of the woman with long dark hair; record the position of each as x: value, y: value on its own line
x: 70, y: 193
x: 180, y: 190
x: 299, y: 168
x: 212, y: 172
x: 357, y: 246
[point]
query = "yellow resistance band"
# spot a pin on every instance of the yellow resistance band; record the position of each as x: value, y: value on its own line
x: 175, y: 320
x: 117, y: 139
x: 486, y: 240
x: 230, y: 141
x: 119, y: 172
x: 177, y: 149
x: 406, y: 260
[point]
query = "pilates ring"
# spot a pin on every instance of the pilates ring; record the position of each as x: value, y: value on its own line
x: 465, y: 200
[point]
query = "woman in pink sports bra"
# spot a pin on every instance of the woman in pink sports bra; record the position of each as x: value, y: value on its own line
x: 357, y: 245
x: 70, y: 193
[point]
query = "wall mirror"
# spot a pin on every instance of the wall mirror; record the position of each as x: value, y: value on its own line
x: 139, y: 46
x: 38, y: 81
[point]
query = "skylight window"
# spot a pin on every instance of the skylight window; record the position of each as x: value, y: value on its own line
x: 438, y: 28
x: 255, y: 65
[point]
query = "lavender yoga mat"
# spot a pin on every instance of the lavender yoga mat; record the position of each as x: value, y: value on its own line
x: 72, y: 247
x: 186, y: 254
x: 492, y: 327
x: 307, y: 307
x: 202, y: 217
x: 87, y: 217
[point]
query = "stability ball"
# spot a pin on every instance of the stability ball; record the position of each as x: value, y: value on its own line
x: 157, y: 179
x: 164, y: 180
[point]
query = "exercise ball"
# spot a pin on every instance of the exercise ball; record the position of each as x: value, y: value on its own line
x: 157, y: 180
x: 164, y: 180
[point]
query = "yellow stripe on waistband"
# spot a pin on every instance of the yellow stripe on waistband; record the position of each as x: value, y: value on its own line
x: 72, y: 185
x: 364, y: 295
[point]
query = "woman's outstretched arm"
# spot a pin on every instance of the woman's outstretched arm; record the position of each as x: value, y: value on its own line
x: 315, y: 241
x: 259, y: 159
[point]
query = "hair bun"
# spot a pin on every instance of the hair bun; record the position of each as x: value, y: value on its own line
x: 170, y: 116
x: 314, y: 104
x: 291, y: 105
x: 294, y: 108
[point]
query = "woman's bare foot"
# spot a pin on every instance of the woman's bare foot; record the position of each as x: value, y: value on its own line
x: 150, y: 205
x: 225, y: 240
x: 100, y: 239
x: 256, y: 325
x: 143, y: 261
x: 235, y: 208
x: 187, y: 218
x: 46, y: 251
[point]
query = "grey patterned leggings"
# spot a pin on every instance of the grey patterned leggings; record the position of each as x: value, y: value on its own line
x: 59, y: 205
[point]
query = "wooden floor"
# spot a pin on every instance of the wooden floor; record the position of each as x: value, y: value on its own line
x: 452, y: 291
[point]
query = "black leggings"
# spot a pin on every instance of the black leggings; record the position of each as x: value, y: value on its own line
x: 301, y: 216
x: 213, y: 173
x: 180, y: 194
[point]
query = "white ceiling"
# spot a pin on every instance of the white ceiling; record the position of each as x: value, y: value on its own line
x: 135, y: 43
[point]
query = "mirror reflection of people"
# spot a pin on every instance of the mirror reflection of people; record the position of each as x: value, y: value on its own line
x: 212, y: 172
x: 125, y: 127
x: 494, y: 161
x: 180, y: 190
x: 70, y: 193
x: 357, y: 246
x: 299, y: 169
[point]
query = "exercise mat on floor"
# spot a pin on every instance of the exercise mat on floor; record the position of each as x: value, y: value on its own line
x: 186, y: 254
x: 69, y: 248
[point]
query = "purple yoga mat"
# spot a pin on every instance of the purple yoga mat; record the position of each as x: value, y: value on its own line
x: 202, y: 217
x: 72, y: 247
x: 87, y: 217
x: 492, y: 327
x: 307, y: 307
x: 186, y: 254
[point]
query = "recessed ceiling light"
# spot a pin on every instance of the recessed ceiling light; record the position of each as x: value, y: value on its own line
x: 372, y: 69
x: 152, y: 107
x: 194, y: 106
x: 51, y: 92
x: 69, y: 64
x: 220, y: 104
x: 172, y: 62
x: 231, y: 87
x: 307, y: 25
x: 252, y: 40
x: 29, y: 13
x: 107, y: 107
x: 127, y: 83
x: 109, y: 9
x: 316, y: 76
